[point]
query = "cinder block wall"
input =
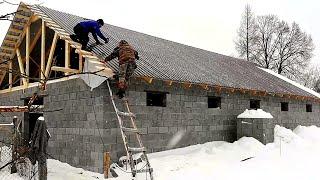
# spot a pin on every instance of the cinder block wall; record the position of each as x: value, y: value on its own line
x: 80, y: 133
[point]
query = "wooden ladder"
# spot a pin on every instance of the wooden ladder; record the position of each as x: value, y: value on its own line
x: 131, y: 130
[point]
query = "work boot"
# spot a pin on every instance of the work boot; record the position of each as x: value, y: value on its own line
x: 74, y: 38
x: 116, y: 77
x: 120, y: 94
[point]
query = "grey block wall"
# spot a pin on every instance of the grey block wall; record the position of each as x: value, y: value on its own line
x: 255, y: 127
x: 86, y: 125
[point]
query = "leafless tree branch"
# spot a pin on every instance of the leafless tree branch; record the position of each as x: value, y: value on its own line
x: 274, y: 44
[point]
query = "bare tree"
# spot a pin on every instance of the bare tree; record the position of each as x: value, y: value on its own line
x: 274, y: 44
x: 294, y: 50
x: 311, y: 78
x: 264, y: 49
x: 246, y: 33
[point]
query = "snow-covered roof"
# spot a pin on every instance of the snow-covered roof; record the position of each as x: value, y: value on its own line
x: 292, y: 82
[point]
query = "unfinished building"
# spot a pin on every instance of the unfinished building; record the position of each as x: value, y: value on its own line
x: 177, y: 89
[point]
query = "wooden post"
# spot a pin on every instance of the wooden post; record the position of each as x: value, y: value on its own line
x: 21, y: 67
x: 67, y: 57
x: 10, y: 75
x: 14, y: 148
x: 27, y: 51
x: 80, y: 63
x: 106, y: 164
x: 50, y: 58
x: 43, y: 50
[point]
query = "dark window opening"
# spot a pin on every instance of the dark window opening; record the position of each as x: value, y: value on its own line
x: 156, y: 99
x: 254, y: 104
x: 30, y: 118
x: 214, y: 102
x: 284, y: 106
x: 309, y: 107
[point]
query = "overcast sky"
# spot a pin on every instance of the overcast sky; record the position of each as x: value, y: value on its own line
x: 206, y: 24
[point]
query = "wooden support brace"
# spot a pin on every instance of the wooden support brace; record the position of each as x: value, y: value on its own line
x: 43, y: 50
x: 50, y: 58
x: 21, y: 67
x: 80, y: 63
x: 27, y: 51
x: 67, y: 57
x: 10, y: 75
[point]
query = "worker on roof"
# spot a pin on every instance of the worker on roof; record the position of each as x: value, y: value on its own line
x: 126, y: 56
x: 83, y: 29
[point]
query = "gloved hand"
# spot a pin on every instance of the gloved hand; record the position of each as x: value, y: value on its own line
x: 106, y: 41
x: 107, y: 59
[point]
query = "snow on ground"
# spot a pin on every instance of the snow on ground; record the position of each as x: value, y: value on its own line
x: 292, y: 82
x: 294, y: 155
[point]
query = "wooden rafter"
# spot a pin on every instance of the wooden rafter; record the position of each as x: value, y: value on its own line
x: 147, y: 79
x: 67, y: 57
x: 27, y: 51
x: 10, y: 75
x: 168, y: 82
x: 22, y: 72
x: 43, y: 50
x: 80, y: 63
x: 50, y: 58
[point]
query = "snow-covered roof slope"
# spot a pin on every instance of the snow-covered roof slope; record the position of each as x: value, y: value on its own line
x: 292, y: 82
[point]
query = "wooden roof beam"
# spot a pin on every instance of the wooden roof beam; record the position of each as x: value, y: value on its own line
x: 50, y: 58
x: 63, y: 69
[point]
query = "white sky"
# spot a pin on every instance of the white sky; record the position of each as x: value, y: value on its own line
x: 206, y: 24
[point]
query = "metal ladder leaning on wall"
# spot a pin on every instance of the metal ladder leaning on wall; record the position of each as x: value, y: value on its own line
x: 133, y: 130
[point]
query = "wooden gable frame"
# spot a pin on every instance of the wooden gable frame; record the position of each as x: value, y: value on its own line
x: 20, y: 30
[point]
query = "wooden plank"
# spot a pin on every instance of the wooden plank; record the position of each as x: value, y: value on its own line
x: 14, y: 109
x: 7, y: 48
x: 12, y: 36
x: 83, y: 52
x: 35, y: 39
x: 15, y: 30
x: 147, y: 79
x: 50, y: 58
x: 21, y: 67
x: 106, y: 164
x: 34, y: 19
x: 27, y: 51
x: 80, y: 63
x: 67, y: 56
x: 53, y: 24
x: 21, y: 16
x: 10, y: 75
x: 63, y: 69
x: 43, y: 50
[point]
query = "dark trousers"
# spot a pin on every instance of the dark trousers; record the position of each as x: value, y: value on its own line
x: 81, y: 35
x: 125, y: 72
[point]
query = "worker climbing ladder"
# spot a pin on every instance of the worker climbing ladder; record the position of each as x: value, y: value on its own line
x: 133, y: 130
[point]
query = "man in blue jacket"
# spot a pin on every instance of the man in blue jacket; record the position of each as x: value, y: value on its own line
x: 83, y: 29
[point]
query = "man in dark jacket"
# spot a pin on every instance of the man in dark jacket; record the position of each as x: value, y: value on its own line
x: 83, y: 29
x: 126, y: 56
